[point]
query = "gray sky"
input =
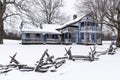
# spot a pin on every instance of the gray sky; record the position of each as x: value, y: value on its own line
x: 69, y: 7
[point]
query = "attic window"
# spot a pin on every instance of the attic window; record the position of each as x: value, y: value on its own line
x: 87, y: 18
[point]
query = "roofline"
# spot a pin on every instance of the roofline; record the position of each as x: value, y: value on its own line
x: 40, y: 32
x: 65, y: 27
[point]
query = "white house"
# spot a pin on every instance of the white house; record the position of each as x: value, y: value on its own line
x: 84, y: 30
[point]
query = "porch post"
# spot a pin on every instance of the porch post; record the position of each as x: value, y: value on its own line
x: 54, y: 38
x: 64, y: 37
x: 86, y: 32
x: 42, y: 38
x: 79, y: 32
x: 95, y: 36
x: 45, y: 38
x: 22, y: 38
x: 68, y: 37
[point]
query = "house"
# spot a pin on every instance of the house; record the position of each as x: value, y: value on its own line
x: 45, y: 35
x: 83, y: 30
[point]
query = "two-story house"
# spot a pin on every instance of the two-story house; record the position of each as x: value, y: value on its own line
x: 83, y: 30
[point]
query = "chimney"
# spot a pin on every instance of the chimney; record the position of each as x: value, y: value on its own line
x: 74, y: 17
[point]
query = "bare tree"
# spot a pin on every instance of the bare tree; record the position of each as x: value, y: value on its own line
x: 11, y: 9
x: 50, y: 10
x: 29, y: 13
x: 107, y: 12
x: 43, y: 11
x: 3, y: 15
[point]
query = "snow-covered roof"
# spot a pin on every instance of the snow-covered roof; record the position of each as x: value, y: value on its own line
x: 74, y: 21
x: 71, y: 22
x: 46, y: 28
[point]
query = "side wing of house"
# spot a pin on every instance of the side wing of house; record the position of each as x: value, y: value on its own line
x: 40, y: 38
x: 29, y: 37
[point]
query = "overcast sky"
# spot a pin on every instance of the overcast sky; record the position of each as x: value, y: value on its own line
x: 69, y: 8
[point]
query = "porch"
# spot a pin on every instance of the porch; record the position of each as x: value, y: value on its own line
x: 40, y: 38
x: 69, y: 38
x: 89, y: 38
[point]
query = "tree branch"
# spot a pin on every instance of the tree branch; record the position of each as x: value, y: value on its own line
x: 4, y: 18
x: 10, y: 2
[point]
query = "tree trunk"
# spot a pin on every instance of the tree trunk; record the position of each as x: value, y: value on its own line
x: 118, y: 38
x: 1, y: 30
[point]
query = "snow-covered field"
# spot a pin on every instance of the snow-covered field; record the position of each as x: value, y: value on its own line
x: 106, y: 68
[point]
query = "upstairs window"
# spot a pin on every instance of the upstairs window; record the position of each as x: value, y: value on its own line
x: 89, y: 24
x: 82, y: 24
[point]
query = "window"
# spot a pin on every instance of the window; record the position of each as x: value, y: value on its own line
x: 27, y: 35
x: 65, y: 35
x: 93, y: 24
x: 98, y: 36
x: 82, y: 24
x: 56, y: 36
x: 89, y: 24
x: 82, y: 35
x: 92, y: 36
x: 70, y: 36
x: 87, y: 36
x: 37, y: 35
x: 53, y: 36
x: 47, y: 35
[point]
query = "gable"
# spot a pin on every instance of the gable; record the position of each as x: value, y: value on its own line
x: 87, y: 17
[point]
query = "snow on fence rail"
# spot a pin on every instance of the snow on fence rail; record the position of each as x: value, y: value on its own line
x: 48, y: 62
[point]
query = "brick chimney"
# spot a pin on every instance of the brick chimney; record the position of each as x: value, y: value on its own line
x: 74, y: 17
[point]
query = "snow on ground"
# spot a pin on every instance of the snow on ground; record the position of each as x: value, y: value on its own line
x: 106, y: 68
